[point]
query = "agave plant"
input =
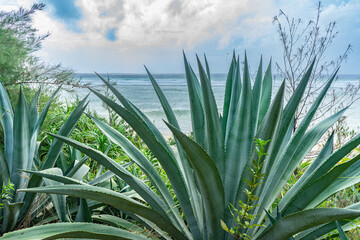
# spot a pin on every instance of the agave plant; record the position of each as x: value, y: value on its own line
x: 21, y: 128
x: 76, y: 173
x: 213, y: 169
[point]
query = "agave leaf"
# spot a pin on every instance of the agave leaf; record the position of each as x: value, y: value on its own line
x: 207, y: 68
x: 74, y: 154
x: 341, y: 231
x: 348, y: 178
x: 214, y: 142
x: 4, y: 170
x: 265, y: 93
x: 137, y: 156
x: 150, y: 225
x: 21, y: 146
x: 267, y: 131
x: 309, y: 193
x: 93, y: 205
x: 79, y: 170
x: 62, y: 163
x: 83, y: 214
x: 72, y: 230
x: 36, y: 123
x: 114, y: 199
x: 325, y: 152
x: 103, y: 177
x: 272, y: 184
x: 182, y: 162
x: 288, y: 115
x: 164, y: 102
x: 172, y: 119
x: 101, y: 167
x: 55, y: 175
x: 58, y: 201
x: 334, y: 158
x: 318, y: 231
x: 120, y: 222
x: 209, y: 183
x: 302, y: 220
x: 234, y: 98
x: 33, y: 111
x: 309, y: 140
x: 256, y: 98
x: 311, y: 113
x: 54, y: 152
x: 270, y: 124
x: 141, y: 117
x: 227, y: 95
x: 239, y: 141
x: 65, y: 130
x: 10, y: 215
x: 41, y: 118
x: 285, y: 169
x: 165, y: 158
x: 140, y: 187
x: 196, y: 105
x: 271, y: 218
x: 7, y: 122
x: 33, y: 118
x: 284, y: 145
x: 136, y: 112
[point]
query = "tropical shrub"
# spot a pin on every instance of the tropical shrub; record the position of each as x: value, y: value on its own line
x: 86, y: 131
x: 212, y: 170
x: 21, y: 128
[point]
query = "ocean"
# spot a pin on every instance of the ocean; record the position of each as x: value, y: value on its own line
x: 138, y: 89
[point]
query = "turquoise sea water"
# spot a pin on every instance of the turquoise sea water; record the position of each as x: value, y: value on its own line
x: 138, y: 89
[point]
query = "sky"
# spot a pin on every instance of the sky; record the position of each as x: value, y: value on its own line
x: 121, y: 36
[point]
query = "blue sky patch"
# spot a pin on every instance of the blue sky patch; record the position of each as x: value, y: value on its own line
x: 68, y: 12
x: 111, y: 34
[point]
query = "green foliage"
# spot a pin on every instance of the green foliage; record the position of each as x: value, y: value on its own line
x: 87, y: 131
x: 21, y: 127
x: 243, y: 217
x: 18, y: 65
x: 12, y: 55
x: 209, y: 171
x: 302, y: 41
x: 6, y: 192
x: 72, y: 230
x: 341, y: 231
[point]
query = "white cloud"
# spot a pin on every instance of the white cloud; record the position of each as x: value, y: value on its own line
x: 141, y: 24
x: 144, y: 27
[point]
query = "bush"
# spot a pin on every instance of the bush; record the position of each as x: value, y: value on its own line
x: 213, y: 169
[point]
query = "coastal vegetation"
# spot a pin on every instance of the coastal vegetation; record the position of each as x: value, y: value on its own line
x: 242, y: 173
x: 220, y: 167
x: 303, y: 41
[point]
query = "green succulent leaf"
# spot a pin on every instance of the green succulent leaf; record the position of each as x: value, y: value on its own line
x: 137, y: 156
x: 83, y: 214
x: 341, y: 231
x: 7, y: 122
x: 116, y: 168
x: 21, y: 144
x: 72, y: 230
x: 165, y: 157
x: 214, y: 142
x: 302, y: 220
x: 196, y: 104
x: 58, y: 201
x: 209, y: 181
x: 53, y: 153
x: 11, y: 212
x: 114, y: 199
